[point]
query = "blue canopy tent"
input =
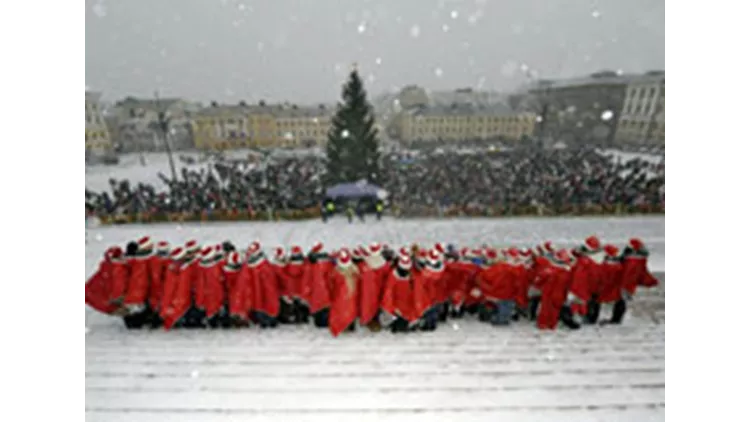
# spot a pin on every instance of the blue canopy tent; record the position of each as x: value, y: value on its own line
x: 356, y: 190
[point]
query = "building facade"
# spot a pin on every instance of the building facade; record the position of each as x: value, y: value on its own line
x: 261, y: 126
x: 642, y: 118
x: 462, y: 122
x: 135, y: 123
x: 97, y: 136
x: 580, y: 110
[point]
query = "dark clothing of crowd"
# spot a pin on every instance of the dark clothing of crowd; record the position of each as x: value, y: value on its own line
x: 517, y: 178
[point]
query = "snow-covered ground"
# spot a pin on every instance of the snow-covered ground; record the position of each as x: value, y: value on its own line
x: 463, y: 371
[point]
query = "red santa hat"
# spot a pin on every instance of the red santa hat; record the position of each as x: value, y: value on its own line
x: 279, y: 253
x: 145, y: 243
x: 207, y: 252
x: 253, y: 249
x: 611, y: 250
x: 356, y: 253
x: 113, y: 253
x: 490, y: 254
x: 434, y: 257
x: 177, y: 253
x: 514, y: 253
x: 548, y: 247
x: 404, y: 251
x: 422, y: 255
x: 344, y: 258
x: 404, y: 262
x: 464, y: 252
x: 526, y: 253
x: 563, y: 256
x: 162, y: 246
x: 375, y: 248
x: 234, y: 259
x: 296, y: 250
x: 539, y: 250
x: 363, y: 251
x: 192, y: 246
x: 218, y: 249
x: 440, y: 247
x: 476, y: 253
x: 317, y: 247
x: 592, y: 244
x: 636, y: 244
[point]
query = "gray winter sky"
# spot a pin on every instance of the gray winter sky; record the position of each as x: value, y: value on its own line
x: 301, y: 50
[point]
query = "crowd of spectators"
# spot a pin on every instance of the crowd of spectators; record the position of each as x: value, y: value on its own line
x: 418, y: 182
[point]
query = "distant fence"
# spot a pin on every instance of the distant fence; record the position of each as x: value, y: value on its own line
x: 395, y: 211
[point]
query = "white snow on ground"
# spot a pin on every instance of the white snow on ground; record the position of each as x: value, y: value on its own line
x: 463, y: 371
x: 130, y: 168
x: 629, y: 156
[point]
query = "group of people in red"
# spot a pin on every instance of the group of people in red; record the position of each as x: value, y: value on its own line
x: 373, y: 286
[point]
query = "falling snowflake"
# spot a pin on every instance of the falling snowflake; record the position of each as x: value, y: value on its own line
x: 100, y: 10
x: 315, y: 120
x: 571, y: 109
x: 414, y: 31
x: 361, y: 28
x: 524, y: 67
x: 345, y: 133
x: 87, y: 330
x: 595, y: 14
x: 480, y: 83
x: 370, y: 78
x: 446, y: 28
x: 438, y: 72
x: 455, y: 326
x: 378, y: 60
x: 454, y: 14
x: 99, y: 237
x: 241, y: 7
x: 619, y: 72
x: 607, y: 115
x: 195, y: 374
x: 539, y: 119
x: 579, y: 124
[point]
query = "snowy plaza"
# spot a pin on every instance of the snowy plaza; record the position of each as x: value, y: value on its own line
x: 465, y: 370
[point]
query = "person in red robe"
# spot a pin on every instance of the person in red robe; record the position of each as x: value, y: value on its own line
x: 344, y: 300
x: 265, y: 286
x: 238, y: 290
x: 586, y: 279
x: 298, y: 289
x: 426, y: 282
x: 634, y: 274
x: 318, y: 279
x: 442, y: 300
x: 279, y: 263
x: 540, y: 262
x: 136, y: 296
x: 211, y: 286
x: 169, y: 314
x: 397, y: 304
x: 611, y: 275
x: 190, y: 289
x: 499, y: 282
x: 157, y: 267
x: 99, y: 285
x: 373, y: 276
x: 556, y: 277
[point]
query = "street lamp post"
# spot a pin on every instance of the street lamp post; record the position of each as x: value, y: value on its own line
x: 164, y: 129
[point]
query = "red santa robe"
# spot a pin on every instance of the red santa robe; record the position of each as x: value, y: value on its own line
x: 398, y: 299
x: 157, y: 267
x: 120, y: 279
x: 473, y: 294
x: 500, y: 281
x: 373, y: 276
x: 296, y: 281
x: 139, y: 282
x: 586, y: 280
x: 344, y: 300
x: 265, y: 286
x: 212, y: 284
x: 171, y: 281
x: 457, y: 275
x: 556, y: 279
x: 611, y: 280
x: 98, y: 287
x: 318, y: 280
x: 635, y: 273
x: 525, y: 273
x: 239, y: 289
x: 426, y: 291
x: 187, y: 290
x: 285, y: 282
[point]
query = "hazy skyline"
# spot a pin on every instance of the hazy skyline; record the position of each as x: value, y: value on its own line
x: 301, y: 50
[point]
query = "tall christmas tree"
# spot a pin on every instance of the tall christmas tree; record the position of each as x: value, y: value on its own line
x: 352, y: 147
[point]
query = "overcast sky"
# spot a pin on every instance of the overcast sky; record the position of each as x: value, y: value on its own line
x: 301, y: 50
